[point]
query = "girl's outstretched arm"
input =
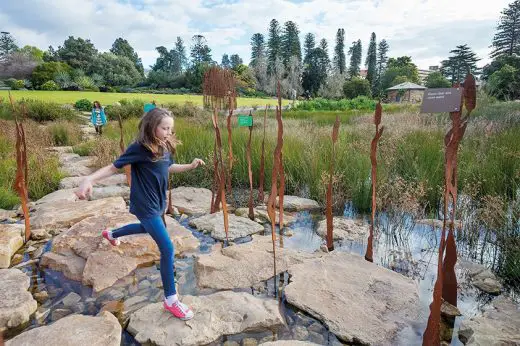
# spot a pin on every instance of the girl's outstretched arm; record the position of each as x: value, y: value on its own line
x: 177, y: 168
x: 85, y: 188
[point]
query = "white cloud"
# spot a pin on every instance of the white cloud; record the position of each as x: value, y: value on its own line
x: 424, y: 29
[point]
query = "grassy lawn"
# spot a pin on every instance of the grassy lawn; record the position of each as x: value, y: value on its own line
x: 108, y: 98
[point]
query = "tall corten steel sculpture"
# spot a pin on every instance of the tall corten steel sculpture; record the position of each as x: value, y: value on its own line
x: 221, y: 173
x: 251, y: 213
x: 276, y: 191
x: 22, y: 168
x: 330, y: 243
x: 373, y: 150
x: 262, y: 164
x: 446, y: 283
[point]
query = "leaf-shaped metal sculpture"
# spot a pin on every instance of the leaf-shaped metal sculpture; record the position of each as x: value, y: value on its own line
x: 251, y: 213
x: 369, y: 255
x: 262, y: 164
x: 330, y: 237
x: 221, y: 173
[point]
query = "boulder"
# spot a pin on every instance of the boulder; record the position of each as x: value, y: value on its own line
x: 191, y: 200
x: 16, y: 303
x: 222, y: 313
x: 295, y: 203
x: 344, y: 229
x: 11, y: 240
x: 239, y: 227
x: 81, y: 330
x: 357, y: 300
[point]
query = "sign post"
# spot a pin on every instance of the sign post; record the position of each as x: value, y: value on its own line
x: 440, y: 100
x: 245, y: 121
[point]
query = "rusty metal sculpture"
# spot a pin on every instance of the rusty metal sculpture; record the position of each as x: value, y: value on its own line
x: 262, y: 164
x: 251, y: 213
x: 22, y: 168
x: 369, y: 256
x: 230, y: 145
x: 221, y: 174
x: 218, y: 88
x: 277, y: 158
x: 330, y: 243
x: 446, y: 283
x: 281, y: 172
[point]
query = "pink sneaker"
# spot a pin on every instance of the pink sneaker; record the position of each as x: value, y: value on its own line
x: 179, y: 310
x: 114, y: 242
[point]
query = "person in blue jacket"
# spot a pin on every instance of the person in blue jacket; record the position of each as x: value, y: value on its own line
x: 98, y: 117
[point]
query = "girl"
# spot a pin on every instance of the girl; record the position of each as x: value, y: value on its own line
x: 150, y: 159
x: 98, y: 117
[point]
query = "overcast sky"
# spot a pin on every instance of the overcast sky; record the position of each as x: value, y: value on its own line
x: 426, y: 30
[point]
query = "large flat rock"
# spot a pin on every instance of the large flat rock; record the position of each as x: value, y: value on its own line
x: 295, y: 203
x: 65, y: 214
x: 191, y: 200
x: 74, y: 165
x: 244, y: 265
x: 82, y: 254
x: 357, y: 300
x: 261, y: 215
x: 344, y: 229
x: 11, y: 240
x: 68, y: 195
x: 218, y: 314
x: 73, y: 182
x: 16, y: 303
x: 239, y: 226
x: 102, y: 330
x: 499, y: 324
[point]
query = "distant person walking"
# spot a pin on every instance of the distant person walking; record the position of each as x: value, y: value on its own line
x: 98, y: 117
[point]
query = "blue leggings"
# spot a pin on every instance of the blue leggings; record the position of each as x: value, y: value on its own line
x: 154, y: 226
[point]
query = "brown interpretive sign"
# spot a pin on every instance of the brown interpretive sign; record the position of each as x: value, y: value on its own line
x: 440, y: 100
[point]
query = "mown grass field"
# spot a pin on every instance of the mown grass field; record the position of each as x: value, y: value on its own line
x: 70, y: 97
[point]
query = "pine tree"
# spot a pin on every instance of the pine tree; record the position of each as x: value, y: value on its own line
x: 308, y: 45
x: 7, y: 45
x: 382, y: 59
x: 371, y: 60
x: 235, y: 60
x: 226, y: 63
x: 274, y: 45
x: 290, y: 43
x: 181, y: 53
x: 122, y: 47
x: 462, y: 60
x: 257, y: 49
x: 200, y: 52
x: 355, y: 53
x: 339, y: 52
x: 507, y: 39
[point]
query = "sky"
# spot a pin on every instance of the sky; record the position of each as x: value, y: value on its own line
x: 426, y: 30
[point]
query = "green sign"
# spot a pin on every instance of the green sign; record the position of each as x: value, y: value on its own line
x: 245, y: 120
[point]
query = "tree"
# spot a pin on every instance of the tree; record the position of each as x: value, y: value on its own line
x: 339, y: 60
x: 46, y: 72
x: 121, y: 47
x: 77, y: 53
x: 355, y: 52
x: 382, y: 59
x: 260, y: 73
x: 200, y: 52
x: 308, y: 45
x: 356, y: 87
x: 504, y: 84
x: 325, y: 47
x: 257, y: 49
x: 507, y: 38
x: 235, y: 60
x: 181, y: 54
x: 402, y: 67
x: 294, y: 74
x: 274, y: 46
x: 50, y: 55
x: 371, y: 60
x: 7, y: 45
x: 332, y: 88
x: 290, y: 43
x: 498, y: 63
x: 437, y: 80
x: 244, y: 77
x: 315, y: 72
x: 116, y: 70
x: 226, y: 63
x: 35, y: 53
x: 462, y: 61
x: 18, y: 65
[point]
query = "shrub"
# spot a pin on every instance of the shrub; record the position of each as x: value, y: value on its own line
x: 86, y: 83
x: 356, y: 87
x: 127, y: 109
x: 15, y: 84
x: 47, y: 71
x: 85, y: 148
x: 64, y: 133
x: 83, y: 105
x: 50, y: 85
x: 47, y: 111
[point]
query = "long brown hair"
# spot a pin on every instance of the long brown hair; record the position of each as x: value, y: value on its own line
x: 94, y: 104
x: 147, y: 126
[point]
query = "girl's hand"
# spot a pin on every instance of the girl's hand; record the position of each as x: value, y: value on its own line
x: 85, y: 189
x: 196, y: 163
